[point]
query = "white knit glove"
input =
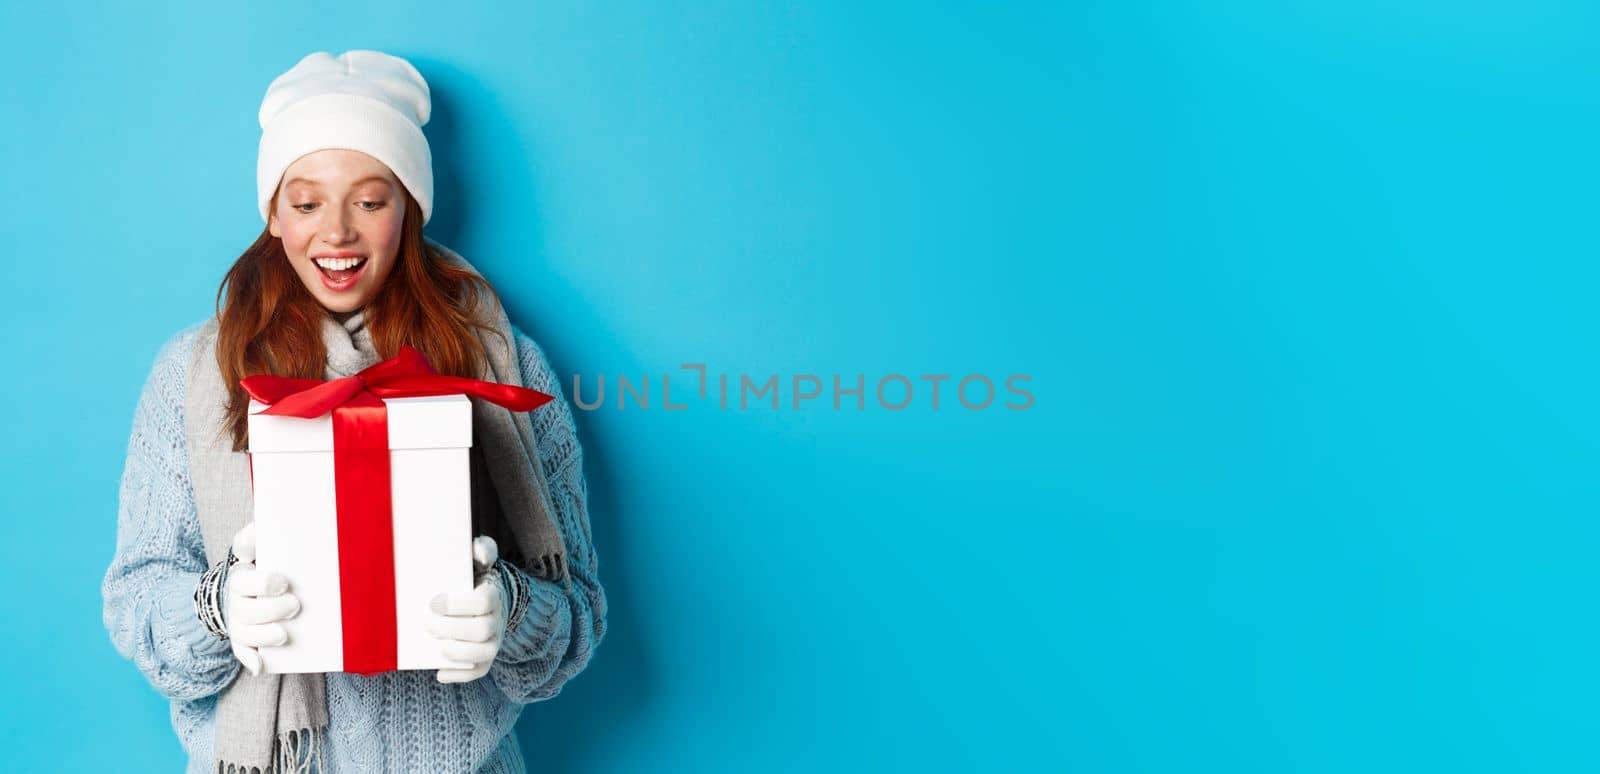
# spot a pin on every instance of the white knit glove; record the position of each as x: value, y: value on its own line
x: 255, y: 602
x: 469, y: 625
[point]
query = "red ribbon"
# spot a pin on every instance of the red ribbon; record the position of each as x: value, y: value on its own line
x: 361, y: 479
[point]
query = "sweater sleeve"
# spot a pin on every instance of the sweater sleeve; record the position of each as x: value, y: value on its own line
x: 148, y: 589
x: 561, y: 628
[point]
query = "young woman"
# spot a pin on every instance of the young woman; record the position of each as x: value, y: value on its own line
x: 340, y: 278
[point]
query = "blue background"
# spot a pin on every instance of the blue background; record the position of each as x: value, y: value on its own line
x: 1305, y: 291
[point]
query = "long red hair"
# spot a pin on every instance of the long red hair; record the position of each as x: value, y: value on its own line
x: 268, y: 322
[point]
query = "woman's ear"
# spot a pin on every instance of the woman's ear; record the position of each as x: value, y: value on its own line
x: 272, y: 214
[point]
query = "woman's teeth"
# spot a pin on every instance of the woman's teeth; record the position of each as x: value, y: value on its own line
x: 339, y: 263
x: 339, y: 269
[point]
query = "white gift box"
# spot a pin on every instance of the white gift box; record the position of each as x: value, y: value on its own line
x: 297, y: 536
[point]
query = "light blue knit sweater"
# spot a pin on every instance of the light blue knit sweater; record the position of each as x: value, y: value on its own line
x: 395, y: 722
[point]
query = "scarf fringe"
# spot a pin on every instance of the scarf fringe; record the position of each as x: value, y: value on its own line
x: 553, y: 567
x: 292, y: 753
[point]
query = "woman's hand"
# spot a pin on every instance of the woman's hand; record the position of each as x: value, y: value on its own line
x: 469, y: 625
x: 256, y: 602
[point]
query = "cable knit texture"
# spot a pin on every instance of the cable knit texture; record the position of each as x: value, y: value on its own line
x: 403, y: 721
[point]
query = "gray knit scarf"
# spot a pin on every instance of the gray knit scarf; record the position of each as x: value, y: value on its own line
x: 274, y: 723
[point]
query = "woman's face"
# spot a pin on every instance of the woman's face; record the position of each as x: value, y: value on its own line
x: 339, y: 214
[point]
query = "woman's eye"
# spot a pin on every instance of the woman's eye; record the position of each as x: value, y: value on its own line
x: 375, y: 206
x: 298, y: 206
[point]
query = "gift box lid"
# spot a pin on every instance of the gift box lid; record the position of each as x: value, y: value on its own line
x: 431, y: 422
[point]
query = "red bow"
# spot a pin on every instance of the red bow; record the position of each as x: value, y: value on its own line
x: 406, y: 375
x: 361, y: 479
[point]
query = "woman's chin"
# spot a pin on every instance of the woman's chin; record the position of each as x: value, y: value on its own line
x: 341, y: 306
x: 338, y: 302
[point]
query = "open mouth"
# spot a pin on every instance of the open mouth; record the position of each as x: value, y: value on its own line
x: 340, y: 273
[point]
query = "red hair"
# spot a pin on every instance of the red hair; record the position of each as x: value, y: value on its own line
x: 268, y: 322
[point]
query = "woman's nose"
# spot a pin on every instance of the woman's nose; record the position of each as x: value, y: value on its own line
x: 337, y: 227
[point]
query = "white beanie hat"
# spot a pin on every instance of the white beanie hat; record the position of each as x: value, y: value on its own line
x: 366, y: 101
